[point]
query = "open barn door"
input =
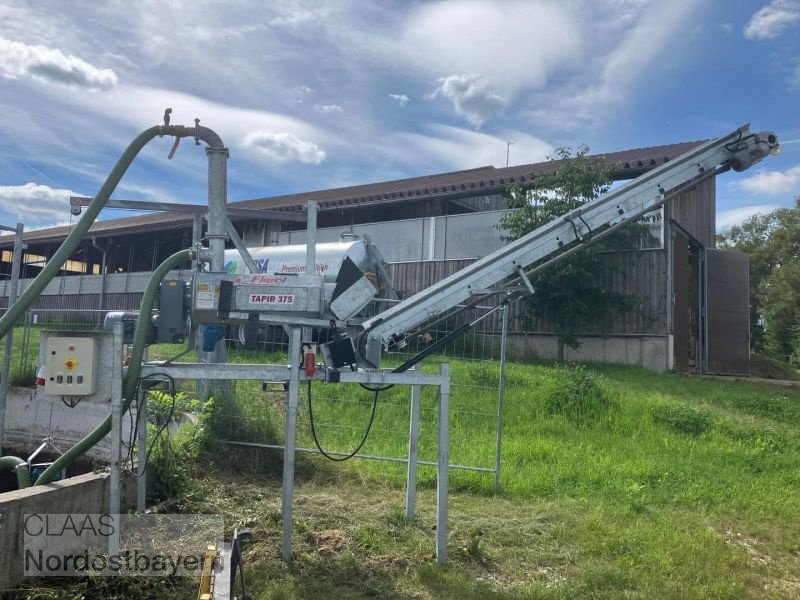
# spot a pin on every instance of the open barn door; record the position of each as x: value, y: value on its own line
x: 727, y: 322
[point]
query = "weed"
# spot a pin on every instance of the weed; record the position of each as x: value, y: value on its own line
x: 682, y: 419
x: 577, y: 394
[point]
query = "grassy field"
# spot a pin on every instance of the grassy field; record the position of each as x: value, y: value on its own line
x: 663, y: 486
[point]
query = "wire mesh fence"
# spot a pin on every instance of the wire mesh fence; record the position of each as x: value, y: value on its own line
x: 253, y: 414
x: 348, y: 417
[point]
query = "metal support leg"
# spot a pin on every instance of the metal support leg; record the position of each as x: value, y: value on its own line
x: 442, y: 465
x: 116, y: 438
x: 9, y: 347
x: 413, y: 442
x: 289, y: 442
x: 141, y: 461
x: 501, y: 396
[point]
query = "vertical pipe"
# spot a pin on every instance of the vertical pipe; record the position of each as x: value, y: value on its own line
x: 311, y: 238
x: 413, y: 443
x: 217, y: 220
x: 501, y: 396
x: 197, y: 233
x: 289, y: 442
x: 442, y: 466
x: 217, y: 205
x: 311, y: 250
x: 116, y: 437
x: 16, y: 260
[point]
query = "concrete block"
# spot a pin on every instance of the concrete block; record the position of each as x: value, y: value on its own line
x: 83, y: 494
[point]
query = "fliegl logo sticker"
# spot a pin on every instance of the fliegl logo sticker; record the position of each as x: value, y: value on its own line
x: 231, y: 266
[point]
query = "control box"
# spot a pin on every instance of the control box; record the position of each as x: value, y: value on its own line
x: 70, y: 367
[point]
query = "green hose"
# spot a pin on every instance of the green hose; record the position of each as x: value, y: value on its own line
x: 65, y: 251
x: 20, y: 467
x: 134, y: 368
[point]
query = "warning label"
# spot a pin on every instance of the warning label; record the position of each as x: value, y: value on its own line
x: 271, y: 299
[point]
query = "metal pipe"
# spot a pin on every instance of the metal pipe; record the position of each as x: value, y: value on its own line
x: 287, y: 500
x: 501, y: 397
x: 20, y: 467
x: 442, y: 473
x: 101, y: 300
x: 16, y: 260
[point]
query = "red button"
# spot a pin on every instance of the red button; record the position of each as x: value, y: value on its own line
x: 71, y: 347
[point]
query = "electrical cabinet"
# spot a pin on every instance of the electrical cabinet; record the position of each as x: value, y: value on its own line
x: 70, y: 366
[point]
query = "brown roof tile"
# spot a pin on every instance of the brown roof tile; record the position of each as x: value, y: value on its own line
x: 627, y: 163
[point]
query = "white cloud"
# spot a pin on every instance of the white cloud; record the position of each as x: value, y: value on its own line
x: 771, y: 20
x: 329, y: 108
x: 35, y: 205
x: 447, y: 148
x: 735, y: 216
x: 401, y: 99
x: 771, y: 183
x: 516, y: 43
x: 612, y: 73
x: 51, y: 65
x: 284, y: 147
x: 472, y: 95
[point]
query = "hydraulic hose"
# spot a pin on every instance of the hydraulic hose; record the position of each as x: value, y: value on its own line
x: 65, y: 251
x: 134, y: 369
x: 20, y: 467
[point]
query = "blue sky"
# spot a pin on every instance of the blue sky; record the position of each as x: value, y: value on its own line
x: 313, y: 95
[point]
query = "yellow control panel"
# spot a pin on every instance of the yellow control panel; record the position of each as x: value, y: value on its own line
x: 70, y: 366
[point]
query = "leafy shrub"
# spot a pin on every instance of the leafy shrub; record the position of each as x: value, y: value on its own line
x: 578, y: 395
x: 681, y: 419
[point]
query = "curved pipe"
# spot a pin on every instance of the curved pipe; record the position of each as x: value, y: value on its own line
x: 70, y: 244
x: 20, y: 467
x: 217, y: 185
x: 132, y: 377
x: 217, y: 199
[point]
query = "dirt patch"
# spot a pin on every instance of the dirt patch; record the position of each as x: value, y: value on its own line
x: 330, y: 542
x: 767, y: 368
x: 749, y: 545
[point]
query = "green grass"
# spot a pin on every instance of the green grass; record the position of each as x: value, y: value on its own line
x: 678, y: 488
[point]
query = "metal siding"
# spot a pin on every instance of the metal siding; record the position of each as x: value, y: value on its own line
x: 728, y: 313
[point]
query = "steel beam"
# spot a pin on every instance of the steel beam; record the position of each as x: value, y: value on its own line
x: 249, y: 213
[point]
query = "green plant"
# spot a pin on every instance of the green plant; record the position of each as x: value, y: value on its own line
x: 577, y: 394
x: 681, y: 419
x: 573, y: 294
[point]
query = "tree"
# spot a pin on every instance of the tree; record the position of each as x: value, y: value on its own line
x: 773, y: 242
x: 570, y: 294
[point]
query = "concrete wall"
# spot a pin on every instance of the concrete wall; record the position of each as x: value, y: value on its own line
x: 84, y: 494
x: 649, y: 352
x: 32, y: 416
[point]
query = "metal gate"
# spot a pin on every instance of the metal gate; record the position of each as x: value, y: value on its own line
x: 727, y: 322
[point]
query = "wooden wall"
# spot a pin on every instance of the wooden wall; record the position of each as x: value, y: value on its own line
x: 694, y: 211
x: 641, y: 274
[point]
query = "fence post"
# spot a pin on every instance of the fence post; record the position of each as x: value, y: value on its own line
x: 116, y: 438
x: 9, y: 348
x: 413, y: 442
x: 289, y: 442
x: 442, y: 475
x: 501, y: 396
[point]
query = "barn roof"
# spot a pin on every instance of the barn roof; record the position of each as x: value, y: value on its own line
x: 486, y: 180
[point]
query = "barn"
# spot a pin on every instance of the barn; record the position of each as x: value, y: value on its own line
x: 692, y: 300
